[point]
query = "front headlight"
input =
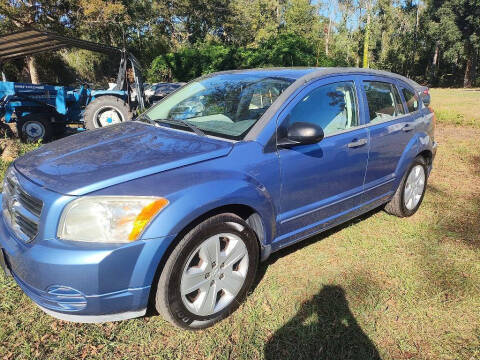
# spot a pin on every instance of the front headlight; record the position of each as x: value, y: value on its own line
x: 108, y: 219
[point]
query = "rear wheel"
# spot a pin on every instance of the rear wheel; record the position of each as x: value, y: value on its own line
x: 106, y: 110
x: 409, y: 195
x: 35, y: 127
x: 208, y: 273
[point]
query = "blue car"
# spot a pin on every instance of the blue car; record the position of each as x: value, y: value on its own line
x: 175, y: 211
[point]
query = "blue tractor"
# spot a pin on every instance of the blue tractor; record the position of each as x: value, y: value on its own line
x: 44, y: 111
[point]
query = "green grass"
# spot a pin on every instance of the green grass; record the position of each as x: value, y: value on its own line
x: 456, y: 106
x: 377, y: 287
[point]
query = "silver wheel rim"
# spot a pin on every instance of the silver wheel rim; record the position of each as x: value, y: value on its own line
x: 214, y: 274
x: 34, y: 130
x: 414, y: 187
x: 106, y: 116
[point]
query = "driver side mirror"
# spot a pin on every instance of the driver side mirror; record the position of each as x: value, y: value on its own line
x: 301, y: 133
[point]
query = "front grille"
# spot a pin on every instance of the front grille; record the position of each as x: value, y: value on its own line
x: 21, y: 211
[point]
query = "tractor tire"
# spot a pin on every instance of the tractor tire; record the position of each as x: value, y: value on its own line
x: 106, y: 110
x: 35, y: 127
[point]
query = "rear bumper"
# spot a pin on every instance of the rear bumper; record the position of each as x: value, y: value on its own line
x: 434, y: 153
x: 84, y: 282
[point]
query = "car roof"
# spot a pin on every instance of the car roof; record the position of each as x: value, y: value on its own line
x: 303, y: 76
x: 310, y: 73
x: 293, y: 73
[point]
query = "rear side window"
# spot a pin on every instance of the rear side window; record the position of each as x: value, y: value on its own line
x: 411, y: 99
x: 384, y: 101
x: 333, y: 107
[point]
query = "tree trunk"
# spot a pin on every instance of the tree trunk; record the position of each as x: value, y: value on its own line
x: 470, y: 67
x: 366, y: 40
x: 32, y: 69
x: 415, y: 36
x: 433, y: 72
x: 328, y: 32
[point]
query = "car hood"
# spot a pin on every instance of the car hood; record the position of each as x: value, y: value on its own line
x: 96, y: 159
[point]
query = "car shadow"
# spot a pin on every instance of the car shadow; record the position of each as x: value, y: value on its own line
x: 262, y: 269
x: 324, y: 328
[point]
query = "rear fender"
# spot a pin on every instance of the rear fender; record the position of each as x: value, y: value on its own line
x: 118, y: 93
x: 419, y: 143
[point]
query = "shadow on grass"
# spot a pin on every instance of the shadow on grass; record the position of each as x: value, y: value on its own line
x: 301, y: 244
x: 324, y: 328
x: 461, y: 224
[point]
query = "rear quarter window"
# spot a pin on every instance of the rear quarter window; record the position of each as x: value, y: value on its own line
x: 411, y: 99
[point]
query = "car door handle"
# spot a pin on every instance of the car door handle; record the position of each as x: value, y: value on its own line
x: 357, y: 143
x: 407, y: 128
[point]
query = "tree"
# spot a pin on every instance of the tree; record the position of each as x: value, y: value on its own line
x: 253, y: 21
x: 48, y: 14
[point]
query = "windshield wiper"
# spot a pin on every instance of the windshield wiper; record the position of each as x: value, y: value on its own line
x: 188, y: 124
x: 144, y: 116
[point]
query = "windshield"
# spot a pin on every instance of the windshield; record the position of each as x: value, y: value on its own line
x: 225, y: 105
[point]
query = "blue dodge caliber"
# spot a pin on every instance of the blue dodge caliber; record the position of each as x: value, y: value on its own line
x: 177, y: 209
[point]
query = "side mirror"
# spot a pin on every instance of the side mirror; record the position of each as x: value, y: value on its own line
x: 301, y: 133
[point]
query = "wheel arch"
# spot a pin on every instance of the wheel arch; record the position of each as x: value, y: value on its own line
x: 100, y: 93
x: 246, y: 212
x: 419, y: 145
x: 428, y: 156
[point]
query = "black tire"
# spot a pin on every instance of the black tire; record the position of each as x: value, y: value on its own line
x: 168, y: 299
x: 397, y: 206
x: 6, y: 131
x: 93, y: 109
x: 35, y: 127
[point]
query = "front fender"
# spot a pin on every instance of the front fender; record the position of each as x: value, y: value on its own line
x: 187, y: 205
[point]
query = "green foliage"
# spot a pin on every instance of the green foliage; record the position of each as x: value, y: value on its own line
x: 191, y: 62
x: 90, y: 66
x: 434, y: 41
x: 286, y: 49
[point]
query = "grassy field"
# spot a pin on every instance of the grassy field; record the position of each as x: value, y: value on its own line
x: 378, y: 287
x: 457, y: 106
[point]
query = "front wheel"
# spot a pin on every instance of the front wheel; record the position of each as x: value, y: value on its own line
x: 410, y: 192
x: 208, y: 273
x: 106, y: 110
x: 34, y: 127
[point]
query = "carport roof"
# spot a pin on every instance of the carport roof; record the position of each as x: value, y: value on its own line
x: 32, y: 41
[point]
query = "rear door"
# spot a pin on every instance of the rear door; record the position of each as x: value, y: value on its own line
x: 390, y: 128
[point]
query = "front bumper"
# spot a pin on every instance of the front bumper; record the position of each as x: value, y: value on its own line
x: 84, y: 282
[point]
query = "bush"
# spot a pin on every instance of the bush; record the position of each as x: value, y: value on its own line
x: 285, y: 49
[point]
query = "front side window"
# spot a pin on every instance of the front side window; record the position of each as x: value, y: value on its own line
x: 224, y: 105
x: 384, y: 102
x: 333, y: 107
x: 411, y: 99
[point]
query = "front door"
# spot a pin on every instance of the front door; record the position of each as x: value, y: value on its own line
x: 323, y: 181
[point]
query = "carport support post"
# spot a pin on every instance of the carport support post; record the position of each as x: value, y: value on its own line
x: 4, y: 78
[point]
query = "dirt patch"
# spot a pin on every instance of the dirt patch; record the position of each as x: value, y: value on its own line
x: 9, y: 149
x: 450, y: 132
